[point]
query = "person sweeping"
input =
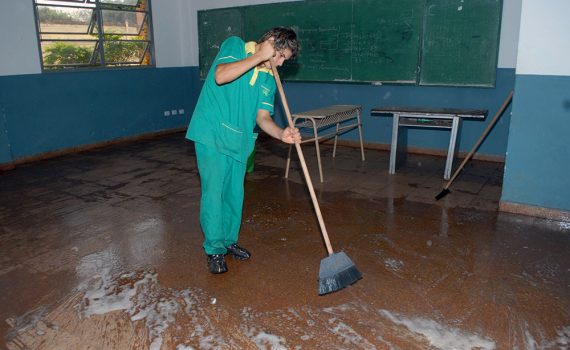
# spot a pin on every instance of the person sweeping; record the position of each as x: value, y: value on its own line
x: 238, y: 93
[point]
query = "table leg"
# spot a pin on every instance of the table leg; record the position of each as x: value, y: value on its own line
x: 289, y: 154
x: 315, y: 133
x: 451, y: 150
x: 335, y: 139
x: 360, y: 134
x: 288, y: 162
x: 393, y: 148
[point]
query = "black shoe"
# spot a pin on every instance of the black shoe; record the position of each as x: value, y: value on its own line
x: 238, y: 252
x: 217, y: 264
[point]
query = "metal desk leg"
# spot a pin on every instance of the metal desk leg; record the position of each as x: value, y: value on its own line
x: 393, y: 148
x: 315, y: 133
x: 289, y: 154
x: 288, y: 162
x: 360, y: 134
x: 451, y: 150
x: 335, y: 139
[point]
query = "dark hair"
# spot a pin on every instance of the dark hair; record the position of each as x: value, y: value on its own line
x: 284, y: 38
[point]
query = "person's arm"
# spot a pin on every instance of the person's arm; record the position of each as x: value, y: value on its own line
x: 228, y: 72
x: 287, y: 135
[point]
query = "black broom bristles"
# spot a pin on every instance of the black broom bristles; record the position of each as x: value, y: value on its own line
x: 337, y: 271
x: 442, y: 194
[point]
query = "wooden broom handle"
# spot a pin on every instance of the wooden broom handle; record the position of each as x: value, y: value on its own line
x: 302, y: 159
x: 491, y: 124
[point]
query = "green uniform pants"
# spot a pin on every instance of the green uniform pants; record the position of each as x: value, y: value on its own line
x: 221, y: 205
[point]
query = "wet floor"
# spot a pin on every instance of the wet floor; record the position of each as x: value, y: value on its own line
x: 102, y: 250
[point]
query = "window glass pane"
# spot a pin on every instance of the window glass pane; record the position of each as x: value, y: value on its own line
x: 123, y: 22
x: 74, y: 3
x: 121, y: 2
x: 124, y: 52
x: 55, y: 19
x: 58, y: 1
x: 61, y: 54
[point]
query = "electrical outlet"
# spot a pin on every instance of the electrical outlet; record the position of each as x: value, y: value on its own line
x: 167, y: 113
x: 174, y: 112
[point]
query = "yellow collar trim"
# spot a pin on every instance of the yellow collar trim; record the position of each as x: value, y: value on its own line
x: 250, y: 49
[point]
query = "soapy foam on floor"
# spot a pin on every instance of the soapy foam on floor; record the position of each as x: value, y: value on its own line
x: 439, y: 335
x: 184, y: 347
x: 562, y: 340
x: 563, y: 337
x: 265, y: 341
x: 393, y: 264
x: 137, y: 294
x: 28, y: 321
x: 159, y: 314
x: 187, y: 320
x: 140, y: 295
x: 565, y: 225
x: 350, y: 337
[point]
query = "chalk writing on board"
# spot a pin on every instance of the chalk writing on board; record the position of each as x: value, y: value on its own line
x: 454, y: 41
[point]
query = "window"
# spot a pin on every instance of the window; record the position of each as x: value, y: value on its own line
x: 74, y: 34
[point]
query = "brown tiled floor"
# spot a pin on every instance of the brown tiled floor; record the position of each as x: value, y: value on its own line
x: 102, y: 250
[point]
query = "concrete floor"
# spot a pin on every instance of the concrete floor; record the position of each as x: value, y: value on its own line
x: 102, y: 250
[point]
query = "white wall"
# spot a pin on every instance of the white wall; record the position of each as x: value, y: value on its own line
x: 167, y: 22
x: 19, y: 53
x: 175, y: 30
x: 509, y: 39
x: 544, y: 44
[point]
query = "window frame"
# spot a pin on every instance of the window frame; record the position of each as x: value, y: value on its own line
x: 95, y: 26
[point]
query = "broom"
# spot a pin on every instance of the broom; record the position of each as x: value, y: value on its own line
x: 337, y: 270
x: 446, y: 190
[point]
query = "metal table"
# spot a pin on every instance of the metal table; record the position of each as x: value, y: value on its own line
x: 444, y: 118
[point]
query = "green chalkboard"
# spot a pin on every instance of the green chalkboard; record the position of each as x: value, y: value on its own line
x: 341, y: 40
x: 386, y: 40
x: 461, y: 42
x: 324, y: 31
x: 214, y: 26
x: 426, y: 42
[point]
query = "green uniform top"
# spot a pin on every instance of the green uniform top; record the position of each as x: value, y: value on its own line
x: 224, y: 117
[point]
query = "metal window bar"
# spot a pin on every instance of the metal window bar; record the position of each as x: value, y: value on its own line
x: 62, y: 3
x: 92, y: 23
x: 101, y: 33
x: 108, y: 5
x: 42, y: 2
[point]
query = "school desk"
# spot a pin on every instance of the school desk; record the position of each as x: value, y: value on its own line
x: 419, y: 117
x: 344, y: 117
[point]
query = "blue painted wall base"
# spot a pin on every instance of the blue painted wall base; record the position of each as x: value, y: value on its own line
x: 56, y: 111
x: 537, y: 168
